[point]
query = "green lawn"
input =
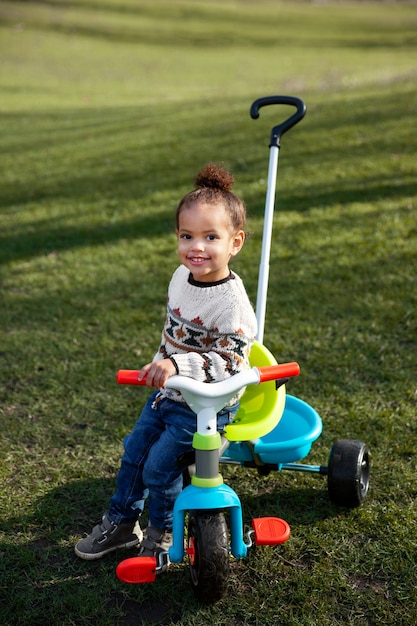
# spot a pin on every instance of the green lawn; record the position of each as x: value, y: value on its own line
x: 107, y: 110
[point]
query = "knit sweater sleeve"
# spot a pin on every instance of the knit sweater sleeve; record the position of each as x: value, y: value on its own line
x: 209, y: 329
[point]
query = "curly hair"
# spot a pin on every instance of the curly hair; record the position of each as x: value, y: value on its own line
x: 213, y: 185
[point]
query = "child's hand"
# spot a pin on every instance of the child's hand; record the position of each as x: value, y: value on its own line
x: 157, y: 373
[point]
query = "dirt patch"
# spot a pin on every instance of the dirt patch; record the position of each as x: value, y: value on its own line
x: 150, y: 612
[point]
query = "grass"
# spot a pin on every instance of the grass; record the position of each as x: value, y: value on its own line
x: 108, y: 109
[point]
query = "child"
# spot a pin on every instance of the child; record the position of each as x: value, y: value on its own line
x: 208, y: 334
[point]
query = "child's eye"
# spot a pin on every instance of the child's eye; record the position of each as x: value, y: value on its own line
x: 185, y: 236
x: 211, y: 237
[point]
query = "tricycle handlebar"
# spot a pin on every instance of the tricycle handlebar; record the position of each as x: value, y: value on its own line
x: 274, y: 372
x: 215, y: 396
x: 268, y: 372
x: 130, y: 377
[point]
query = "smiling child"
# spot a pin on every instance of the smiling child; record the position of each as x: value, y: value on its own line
x: 208, y: 333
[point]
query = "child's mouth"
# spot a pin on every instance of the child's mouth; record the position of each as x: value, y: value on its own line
x: 197, y: 260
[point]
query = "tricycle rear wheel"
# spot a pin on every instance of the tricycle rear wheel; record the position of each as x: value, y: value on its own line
x: 348, y: 473
x: 208, y: 551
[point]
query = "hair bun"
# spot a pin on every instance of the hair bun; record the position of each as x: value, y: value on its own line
x: 214, y: 176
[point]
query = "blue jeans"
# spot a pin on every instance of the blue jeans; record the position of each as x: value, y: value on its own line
x: 149, y: 466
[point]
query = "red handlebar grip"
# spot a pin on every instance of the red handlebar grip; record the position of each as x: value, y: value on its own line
x: 283, y: 370
x: 130, y: 377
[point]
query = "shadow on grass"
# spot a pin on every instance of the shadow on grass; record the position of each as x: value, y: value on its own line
x: 53, y: 581
x: 73, y: 508
x: 113, y: 173
x: 52, y: 239
x: 46, y: 581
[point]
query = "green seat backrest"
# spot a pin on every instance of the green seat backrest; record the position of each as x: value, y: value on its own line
x: 261, y: 406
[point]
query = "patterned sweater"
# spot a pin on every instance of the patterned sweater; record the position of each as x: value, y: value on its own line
x: 209, y: 329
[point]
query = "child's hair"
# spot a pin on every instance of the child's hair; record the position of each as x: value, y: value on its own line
x: 213, y: 186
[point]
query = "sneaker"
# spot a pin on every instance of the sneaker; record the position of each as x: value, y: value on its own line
x: 106, y: 537
x: 154, y: 542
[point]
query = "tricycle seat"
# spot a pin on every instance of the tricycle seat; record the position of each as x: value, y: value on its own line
x: 261, y: 406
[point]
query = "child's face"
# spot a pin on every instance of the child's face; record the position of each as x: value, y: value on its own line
x: 206, y: 241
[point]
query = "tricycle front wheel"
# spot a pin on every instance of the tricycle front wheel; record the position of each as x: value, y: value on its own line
x: 348, y: 473
x: 208, y: 551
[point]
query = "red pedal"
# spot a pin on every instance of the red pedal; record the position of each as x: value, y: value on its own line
x: 137, y: 570
x: 270, y: 531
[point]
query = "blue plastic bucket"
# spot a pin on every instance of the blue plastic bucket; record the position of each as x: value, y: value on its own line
x: 293, y: 436
x: 288, y: 442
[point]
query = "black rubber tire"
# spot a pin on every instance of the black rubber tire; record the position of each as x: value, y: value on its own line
x: 209, y: 565
x: 348, y: 473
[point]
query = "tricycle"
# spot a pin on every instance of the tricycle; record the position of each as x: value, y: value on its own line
x: 272, y: 431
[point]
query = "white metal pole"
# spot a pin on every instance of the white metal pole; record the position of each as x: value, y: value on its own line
x: 266, y: 242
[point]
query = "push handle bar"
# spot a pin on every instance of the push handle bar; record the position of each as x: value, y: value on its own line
x: 282, y: 128
x: 268, y: 372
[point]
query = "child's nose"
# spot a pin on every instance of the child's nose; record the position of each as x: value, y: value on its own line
x: 198, y: 244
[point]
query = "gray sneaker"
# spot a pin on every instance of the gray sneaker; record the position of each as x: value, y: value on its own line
x: 154, y: 542
x: 106, y: 537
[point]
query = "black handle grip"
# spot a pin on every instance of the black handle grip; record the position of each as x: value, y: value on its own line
x: 282, y: 128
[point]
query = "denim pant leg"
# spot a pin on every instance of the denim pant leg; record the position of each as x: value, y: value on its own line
x: 127, y: 502
x: 163, y: 432
x: 161, y: 473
